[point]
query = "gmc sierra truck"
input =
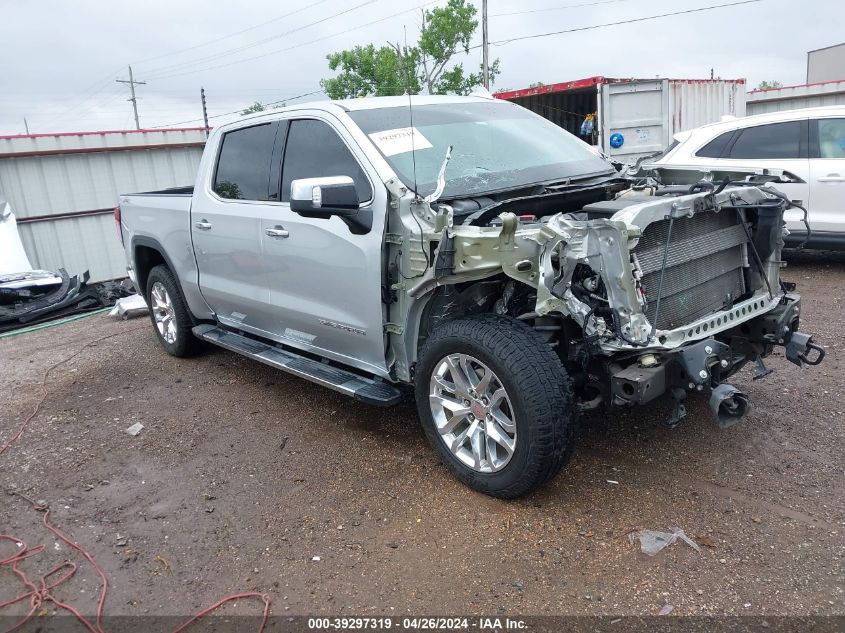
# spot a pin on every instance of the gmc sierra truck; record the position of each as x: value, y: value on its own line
x: 476, y: 252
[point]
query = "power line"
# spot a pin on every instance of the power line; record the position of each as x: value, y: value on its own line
x: 101, y: 102
x: 88, y: 93
x: 239, y: 49
x: 631, y: 21
x: 568, y: 6
x: 290, y: 48
x: 217, y: 116
x: 230, y: 35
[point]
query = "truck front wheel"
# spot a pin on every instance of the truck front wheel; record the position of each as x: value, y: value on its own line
x: 496, y: 404
x: 169, y: 314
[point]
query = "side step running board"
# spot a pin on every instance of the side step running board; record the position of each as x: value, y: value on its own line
x: 369, y: 390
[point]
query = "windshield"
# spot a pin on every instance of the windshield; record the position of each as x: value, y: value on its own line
x: 496, y: 146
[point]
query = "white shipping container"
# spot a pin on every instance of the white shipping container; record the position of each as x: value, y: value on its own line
x: 633, y: 117
x: 64, y: 187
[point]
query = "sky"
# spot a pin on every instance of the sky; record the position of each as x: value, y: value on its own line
x: 61, y: 58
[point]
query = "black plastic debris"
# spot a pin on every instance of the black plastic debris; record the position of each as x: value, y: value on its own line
x: 33, y: 297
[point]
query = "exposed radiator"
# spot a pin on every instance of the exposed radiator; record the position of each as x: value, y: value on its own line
x: 703, y: 268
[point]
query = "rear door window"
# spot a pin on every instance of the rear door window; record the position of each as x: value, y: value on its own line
x: 831, y: 138
x: 243, y: 166
x: 716, y: 147
x: 315, y: 150
x: 772, y: 141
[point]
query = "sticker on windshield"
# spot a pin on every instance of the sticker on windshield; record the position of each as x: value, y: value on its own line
x: 399, y: 141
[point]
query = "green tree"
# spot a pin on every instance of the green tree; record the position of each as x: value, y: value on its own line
x: 255, y: 107
x: 367, y: 70
x: 768, y: 85
x: 392, y: 69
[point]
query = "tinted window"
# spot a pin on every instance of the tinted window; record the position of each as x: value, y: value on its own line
x: 832, y: 138
x: 315, y: 150
x: 243, y: 168
x: 776, y: 140
x: 714, y: 148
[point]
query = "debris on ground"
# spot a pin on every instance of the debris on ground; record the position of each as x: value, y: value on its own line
x: 653, y: 542
x: 706, y: 540
x: 34, y: 296
x: 29, y: 296
x: 135, y: 429
x: 129, y: 307
x: 666, y: 609
x: 162, y: 561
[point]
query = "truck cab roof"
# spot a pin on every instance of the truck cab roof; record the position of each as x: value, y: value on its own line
x: 370, y: 103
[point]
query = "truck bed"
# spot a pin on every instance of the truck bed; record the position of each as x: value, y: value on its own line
x: 162, y: 216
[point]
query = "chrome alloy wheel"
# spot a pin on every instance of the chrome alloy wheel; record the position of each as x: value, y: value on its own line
x: 472, y: 413
x: 163, y: 312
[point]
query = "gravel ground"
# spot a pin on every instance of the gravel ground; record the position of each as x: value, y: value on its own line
x: 243, y: 475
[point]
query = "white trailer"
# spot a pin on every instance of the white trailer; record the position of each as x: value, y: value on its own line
x: 633, y: 117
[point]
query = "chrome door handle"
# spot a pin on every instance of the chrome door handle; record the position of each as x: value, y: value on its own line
x: 832, y: 178
x: 203, y: 226
x: 277, y: 231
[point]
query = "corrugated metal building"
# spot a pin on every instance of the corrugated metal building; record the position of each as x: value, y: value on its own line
x: 64, y: 187
x: 643, y: 114
x: 792, y: 97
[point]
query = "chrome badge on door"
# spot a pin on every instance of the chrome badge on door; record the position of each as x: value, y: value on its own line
x: 344, y: 327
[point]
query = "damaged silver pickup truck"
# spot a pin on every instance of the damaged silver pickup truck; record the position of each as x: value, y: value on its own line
x: 473, y: 250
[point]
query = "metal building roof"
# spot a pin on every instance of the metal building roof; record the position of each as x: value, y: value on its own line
x: 827, y: 93
x: 23, y: 145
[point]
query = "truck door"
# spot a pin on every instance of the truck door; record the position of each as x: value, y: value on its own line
x: 827, y: 175
x: 226, y: 220
x: 325, y: 277
x: 634, y: 119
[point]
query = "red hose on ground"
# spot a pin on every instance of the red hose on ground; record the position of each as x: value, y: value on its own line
x: 41, y: 593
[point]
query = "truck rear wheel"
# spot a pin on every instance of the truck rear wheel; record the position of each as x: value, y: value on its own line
x: 170, y: 316
x: 496, y: 404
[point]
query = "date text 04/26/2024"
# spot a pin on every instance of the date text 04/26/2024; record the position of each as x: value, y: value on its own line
x: 485, y: 624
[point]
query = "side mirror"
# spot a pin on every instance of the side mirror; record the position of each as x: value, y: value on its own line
x: 324, y: 197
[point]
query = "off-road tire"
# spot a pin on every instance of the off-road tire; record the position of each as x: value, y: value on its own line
x: 537, y: 384
x: 186, y: 344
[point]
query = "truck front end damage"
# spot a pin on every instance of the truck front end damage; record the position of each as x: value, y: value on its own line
x: 692, y: 293
x: 643, y: 296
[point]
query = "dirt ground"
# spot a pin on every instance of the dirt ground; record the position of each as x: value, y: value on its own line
x: 243, y: 476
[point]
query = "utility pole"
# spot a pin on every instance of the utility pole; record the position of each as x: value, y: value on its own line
x: 133, y: 98
x: 485, y: 46
x: 26, y: 126
x: 204, y: 111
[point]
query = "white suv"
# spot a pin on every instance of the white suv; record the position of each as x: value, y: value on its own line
x: 809, y: 143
